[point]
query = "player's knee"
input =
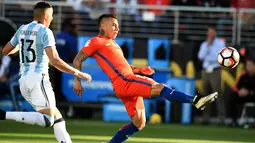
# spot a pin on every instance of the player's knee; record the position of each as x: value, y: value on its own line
x: 157, y: 88
x: 161, y: 86
x: 49, y: 121
x: 58, y: 120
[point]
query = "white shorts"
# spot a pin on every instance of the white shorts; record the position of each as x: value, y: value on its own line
x: 37, y: 90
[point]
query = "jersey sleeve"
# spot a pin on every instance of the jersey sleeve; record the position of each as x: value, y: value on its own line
x: 15, y: 40
x: 48, y: 39
x: 90, y: 47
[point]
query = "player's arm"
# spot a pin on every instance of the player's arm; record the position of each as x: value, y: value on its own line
x: 9, y: 49
x: 12, y: 46
x: 142, y: 70
x: 89, y: 48
x: 57, y: 62
x: 48, y: 42
x: 77, y: 62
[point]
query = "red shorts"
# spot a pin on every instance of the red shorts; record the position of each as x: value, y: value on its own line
x: 131, y: 89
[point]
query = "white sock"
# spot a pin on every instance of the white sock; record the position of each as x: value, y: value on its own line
x: 27, y: 117
x: 61, y: 133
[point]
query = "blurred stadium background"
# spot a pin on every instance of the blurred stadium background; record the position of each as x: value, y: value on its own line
x: 164, y: 34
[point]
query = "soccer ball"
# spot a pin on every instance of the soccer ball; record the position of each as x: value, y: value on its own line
x: 228, y: 57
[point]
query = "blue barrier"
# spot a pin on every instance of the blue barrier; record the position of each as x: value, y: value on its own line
x: 185, y: 85
x: 153, y: 45
x: 114, y: 110
x: 99, y: 86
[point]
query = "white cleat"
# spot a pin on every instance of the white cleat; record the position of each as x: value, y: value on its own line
x: 201, y: 102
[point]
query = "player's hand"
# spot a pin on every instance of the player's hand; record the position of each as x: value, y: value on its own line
x: 147, y: 71
x: 78, y: 88
x: 85, y: 76
x: 243, y: 92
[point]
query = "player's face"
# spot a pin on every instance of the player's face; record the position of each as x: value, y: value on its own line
x: 48, y: 16
x: 111, y: 28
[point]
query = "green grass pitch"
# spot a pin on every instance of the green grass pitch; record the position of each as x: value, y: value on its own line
x: 85, y: 131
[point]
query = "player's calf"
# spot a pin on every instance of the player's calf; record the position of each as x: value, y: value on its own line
x: 170, y: 94
x: 177, y: 96
x: 124, y: 133
x: 60, y: 131
x: 33, y: 118
x: 59, y: 127
x: 128, y: 130
x: 139, y: 119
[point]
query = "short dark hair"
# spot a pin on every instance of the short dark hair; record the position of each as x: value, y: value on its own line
x: 42, y: 5
x: 106, y: 16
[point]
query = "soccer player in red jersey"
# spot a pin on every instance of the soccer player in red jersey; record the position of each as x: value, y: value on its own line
x: 128, y: 86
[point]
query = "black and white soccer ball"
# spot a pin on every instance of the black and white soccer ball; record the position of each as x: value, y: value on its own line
x: 229, y: 57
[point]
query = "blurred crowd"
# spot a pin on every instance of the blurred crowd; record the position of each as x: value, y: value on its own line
x: 87, y: 5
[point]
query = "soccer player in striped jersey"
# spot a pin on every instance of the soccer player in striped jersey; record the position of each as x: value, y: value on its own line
x: 37, y: 49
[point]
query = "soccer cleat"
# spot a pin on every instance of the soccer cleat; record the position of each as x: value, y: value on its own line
x: 2, y: 115
x: 201, y: 102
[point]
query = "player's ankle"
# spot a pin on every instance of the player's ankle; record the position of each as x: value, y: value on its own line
x: 2, y: 115
x: 196, y: 99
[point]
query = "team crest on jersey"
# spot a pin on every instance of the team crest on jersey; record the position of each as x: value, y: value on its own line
x: 87, y: 43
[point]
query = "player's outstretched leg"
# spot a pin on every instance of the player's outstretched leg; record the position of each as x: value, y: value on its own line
x: 44, y: 120
x: 33, y: 118
x: 177, y: 96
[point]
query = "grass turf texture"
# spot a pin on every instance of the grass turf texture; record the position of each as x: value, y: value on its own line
x: 84, y: 131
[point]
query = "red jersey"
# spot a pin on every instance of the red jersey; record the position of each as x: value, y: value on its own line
x: 130, y: 88
x: 109, y: 56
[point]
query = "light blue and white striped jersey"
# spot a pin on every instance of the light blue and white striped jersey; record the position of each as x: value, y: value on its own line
x: 32, y: 39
